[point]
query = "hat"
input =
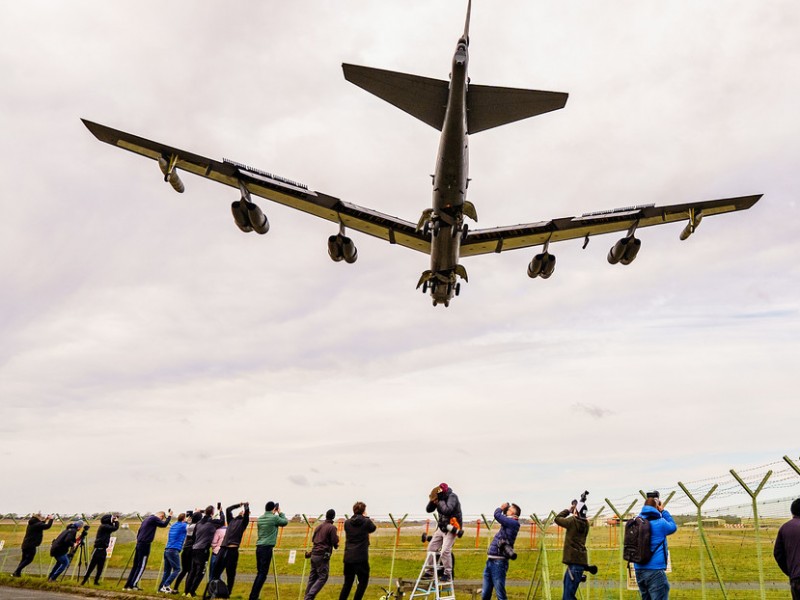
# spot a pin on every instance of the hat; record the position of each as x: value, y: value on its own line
x: 270, y: 506
x: 77, y: 524
x: 445, y: 487
x: 583, y: 510
x: 330, y: 515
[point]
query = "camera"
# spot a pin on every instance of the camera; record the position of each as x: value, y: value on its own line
x: 583, y: 496
x: 653, y: 494
x: 506, y: 550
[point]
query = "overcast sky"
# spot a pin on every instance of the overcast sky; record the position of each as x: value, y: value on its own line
x: 153, y: 355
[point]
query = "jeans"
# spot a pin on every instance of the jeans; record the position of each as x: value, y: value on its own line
x: 444, y: 542
x: 62, y: 562
x: 653, y: 584
x: 572, y: 579
x: 494, y: 577
x: 263, y: 559
x: 352, y: 571
x: 172, y: 566
x: 320, y: 568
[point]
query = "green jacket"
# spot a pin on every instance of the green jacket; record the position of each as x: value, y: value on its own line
x: 575, y: 538
x: 268, y: 524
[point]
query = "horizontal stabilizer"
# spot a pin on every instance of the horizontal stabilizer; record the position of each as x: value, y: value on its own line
x: 421, y: 97
x: 489, y: 106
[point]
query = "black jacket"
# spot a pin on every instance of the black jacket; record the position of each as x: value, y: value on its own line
x: 107, y: 527
x: 325, y: 538
x: 787, y: 548
x: 65, y: 540
x: 575, y: 538
x: 356, y: 544
x: 34, y: 533
x: 448, y: 506
x: 236, y: 526
x: 147, y: 530
x: 204, y: 532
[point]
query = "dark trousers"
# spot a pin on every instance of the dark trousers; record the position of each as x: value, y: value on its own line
x: 263, y: 559
x: 199, y: 561
x: 227, y: 560
x: 352, y: 571
x: 795, y: 583
x: 140, y: 557
x: 98, y: 561
x: 320, y: 568
x: 28, y: 554
x: 186, y: 566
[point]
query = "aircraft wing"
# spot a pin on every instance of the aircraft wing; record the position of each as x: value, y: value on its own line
x: 272, y: 187
x: 500, y: 239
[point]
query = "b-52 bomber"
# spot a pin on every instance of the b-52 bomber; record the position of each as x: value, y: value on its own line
x: 457, y: 109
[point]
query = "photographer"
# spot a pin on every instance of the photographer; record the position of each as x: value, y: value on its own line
x: 324, y: 540
x: 574, y: 520
x: 144, y: 538
x: 186, y: 554
x: 108, y: 525
x: 450, y: 523
x: 651, y: 576
x: 201, y: 549
x: 228, y: 557
x: 60, y: 549
x: 268, y: 525
x: 32, y: 540
x: 356, y: 551
x: 172, y: 553
x: 501, y: 550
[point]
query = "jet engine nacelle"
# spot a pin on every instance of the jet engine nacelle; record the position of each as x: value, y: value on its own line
x: 248, y: 217
x: 240, y: 216
x: 341, y: 247
x: 335, y: 248
x: 542, y: 265
x: 624, y: 251
x: 258, y: 220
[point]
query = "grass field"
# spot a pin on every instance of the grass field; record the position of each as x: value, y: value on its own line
x: 734, y: 552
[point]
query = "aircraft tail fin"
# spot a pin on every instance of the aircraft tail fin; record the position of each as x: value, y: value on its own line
x: 421, y: 97
x: 489, y: 106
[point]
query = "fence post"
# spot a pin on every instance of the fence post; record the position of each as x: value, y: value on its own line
x: 791, y: 464
x: 477, y: 532
x: 704, y: 539
x: 620, y: 519
x: 7, y: 550
x: 543, y: 525
x: 397, y: 525
x: 305, y: 549
x: 754, y: 496
x: 489, y: 525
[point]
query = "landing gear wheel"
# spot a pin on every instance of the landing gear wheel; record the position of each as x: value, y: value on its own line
x: 424, y: 287
x: 426, y: 229
x: 458, y: 289
x: 464, y: 232
x: 436, y: 227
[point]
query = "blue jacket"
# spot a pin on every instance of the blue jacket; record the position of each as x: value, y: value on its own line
x: 661, y: 525
x: 509, y: 528
x: 177, y: 534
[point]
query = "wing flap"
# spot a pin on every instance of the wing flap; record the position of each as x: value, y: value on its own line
x: 500, y: 239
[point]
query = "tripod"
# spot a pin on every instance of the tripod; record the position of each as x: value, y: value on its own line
x: 80, y: 549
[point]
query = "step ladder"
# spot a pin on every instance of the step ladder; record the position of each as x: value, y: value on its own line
x: 428, y: 585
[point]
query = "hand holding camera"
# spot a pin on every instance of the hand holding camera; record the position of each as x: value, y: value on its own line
x: 435, y: 493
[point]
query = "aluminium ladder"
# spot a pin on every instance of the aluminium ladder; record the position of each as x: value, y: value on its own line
x: 428, y: 585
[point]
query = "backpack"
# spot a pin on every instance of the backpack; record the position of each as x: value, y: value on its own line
x: 636, y: 544
x: 216, y: 588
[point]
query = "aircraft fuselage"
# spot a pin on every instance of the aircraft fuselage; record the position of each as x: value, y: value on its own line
x: 450, y: 181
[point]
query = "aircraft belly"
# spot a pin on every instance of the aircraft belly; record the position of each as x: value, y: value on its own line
x: 444, y: 251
